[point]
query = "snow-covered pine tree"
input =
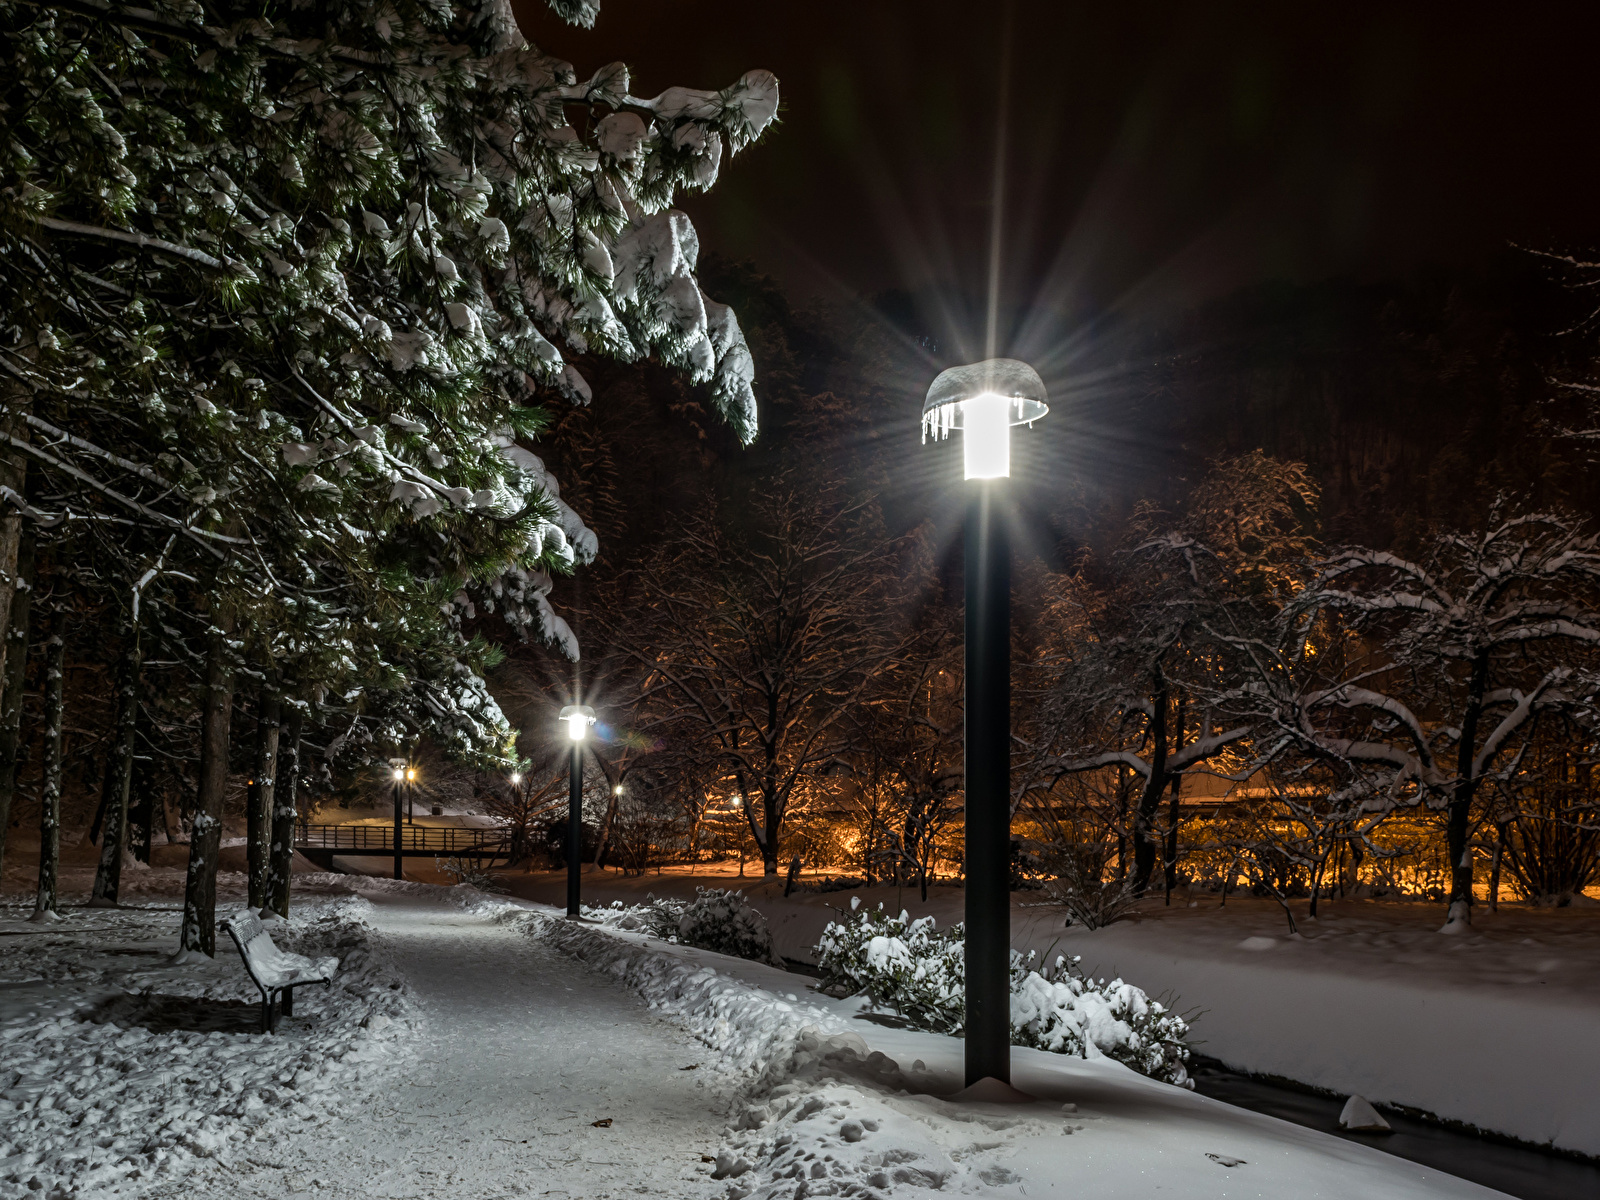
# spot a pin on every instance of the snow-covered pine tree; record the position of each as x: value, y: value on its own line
x: 290, y: 289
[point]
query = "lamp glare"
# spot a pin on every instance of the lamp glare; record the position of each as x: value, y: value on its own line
x: 986, y: 436
x: 577, y: 727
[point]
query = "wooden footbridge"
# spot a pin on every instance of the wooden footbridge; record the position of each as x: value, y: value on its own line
x: 320, y: 843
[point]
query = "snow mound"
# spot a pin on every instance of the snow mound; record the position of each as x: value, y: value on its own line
x: 1360, y: 1117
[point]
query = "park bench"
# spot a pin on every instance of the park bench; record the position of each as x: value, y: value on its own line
x: 276, y: 972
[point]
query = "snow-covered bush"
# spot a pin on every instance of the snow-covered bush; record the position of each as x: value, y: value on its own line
x: 720, y: 920
x: 920, y: 972
x: 471, y: 872
x: 910, y: 966
x: 1091, y: 901
x: 714, y: 920
x: 1066, y: 1012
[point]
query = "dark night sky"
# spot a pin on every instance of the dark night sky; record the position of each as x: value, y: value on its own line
x: 1158, y: 153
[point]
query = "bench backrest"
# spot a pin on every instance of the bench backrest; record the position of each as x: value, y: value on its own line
x: 254, y: 942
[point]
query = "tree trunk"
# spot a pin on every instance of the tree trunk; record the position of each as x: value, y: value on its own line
x: 205, y: 839
x: 16, y: 639
x: 14, y: 475
x: 268, y: 724
x: 603, y: 835
x: 1145, y: 843
x: 50, y: 789
x: 1458, y: 818
x: 119, y: 779
x: 1494, y: 871
x: 769, y: 844
x: 281, y: 852
x: 1169, y: 865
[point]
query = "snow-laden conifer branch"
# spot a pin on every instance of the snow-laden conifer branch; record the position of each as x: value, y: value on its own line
x: 200, y: 537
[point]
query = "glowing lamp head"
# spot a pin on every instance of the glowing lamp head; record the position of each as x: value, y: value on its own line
x: 411, y: 774
x: 578, y: 718
x: 984, y: 400
x: 399, y: 774
x: 516, y: 778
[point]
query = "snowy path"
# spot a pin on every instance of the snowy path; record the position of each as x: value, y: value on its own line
x: 525, y: 1048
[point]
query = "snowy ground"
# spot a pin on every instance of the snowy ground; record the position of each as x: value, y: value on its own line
x: 510, y: 1032
x: 122, y: 1074
x: 1493, y: 1029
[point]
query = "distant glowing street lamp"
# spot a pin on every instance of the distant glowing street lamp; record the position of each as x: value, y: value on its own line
x: 578, y: 718
x: 397, y: 770
x: 983, y: 401
x: 516, y: 779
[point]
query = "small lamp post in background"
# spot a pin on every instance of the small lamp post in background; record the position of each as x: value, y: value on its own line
x: 578, y: 718
x: 411, y: 795
x: 983, y: 401
x: 398, y: 771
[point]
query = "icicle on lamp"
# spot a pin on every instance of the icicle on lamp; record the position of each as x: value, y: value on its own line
x: 983, y: 400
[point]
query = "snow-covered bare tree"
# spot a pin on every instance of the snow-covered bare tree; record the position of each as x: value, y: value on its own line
x: 1139, y: 676
x: 753, y: 635
x: 1439, y: 667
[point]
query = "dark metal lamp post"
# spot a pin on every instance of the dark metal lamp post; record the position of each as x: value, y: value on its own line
x: 578, y: 718
x: 398, y: 766
x: 983, y: 401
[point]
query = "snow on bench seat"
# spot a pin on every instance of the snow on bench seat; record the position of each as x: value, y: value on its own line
x: 276, y: 972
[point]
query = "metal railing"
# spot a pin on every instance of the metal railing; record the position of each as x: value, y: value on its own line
x: 379, y: 839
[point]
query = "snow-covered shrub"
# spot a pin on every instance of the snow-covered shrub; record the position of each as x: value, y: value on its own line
x: 920, y: 972
x: 910, y: 966
x: 714, y: 920
x: 471, y: 872
x: 1091, y: 901
x: 720, y: 920
x: 1066, y: 1012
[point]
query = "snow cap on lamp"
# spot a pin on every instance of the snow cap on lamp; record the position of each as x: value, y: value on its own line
x: 984, y: 400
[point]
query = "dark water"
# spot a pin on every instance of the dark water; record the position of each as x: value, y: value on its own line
x: 1515, y: 1170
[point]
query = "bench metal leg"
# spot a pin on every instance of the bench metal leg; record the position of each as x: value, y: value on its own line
x: 288, y: 1001
x: 266, y: 1012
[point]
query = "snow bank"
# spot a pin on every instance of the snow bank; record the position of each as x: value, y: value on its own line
x: 823, y: 1104
x: 1494, y: 1028
x: 120, y: 1072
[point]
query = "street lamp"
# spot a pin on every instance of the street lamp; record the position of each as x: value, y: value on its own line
x: 397, y: 769
x: 983, y: 400
x: 578, y: 718
x: 411, y: 796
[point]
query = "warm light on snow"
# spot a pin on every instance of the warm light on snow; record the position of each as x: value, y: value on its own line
x: 986, y: 437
